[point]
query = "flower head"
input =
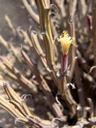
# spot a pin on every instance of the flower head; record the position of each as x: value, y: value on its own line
x: 65, y: 41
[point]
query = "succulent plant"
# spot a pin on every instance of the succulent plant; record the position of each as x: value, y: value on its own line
x: 41, y: 53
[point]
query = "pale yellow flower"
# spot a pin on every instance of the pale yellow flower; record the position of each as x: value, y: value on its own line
x: 65, y: 41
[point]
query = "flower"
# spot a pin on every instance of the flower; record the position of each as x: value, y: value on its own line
x: 65, y: 41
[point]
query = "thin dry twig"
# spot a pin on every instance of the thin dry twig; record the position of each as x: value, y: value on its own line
x: 18, y: 108
x: 8, y: 20
x: 4, y: 42
x: 30, y: 10
x: 18, y: 75
x: 45, y: 88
